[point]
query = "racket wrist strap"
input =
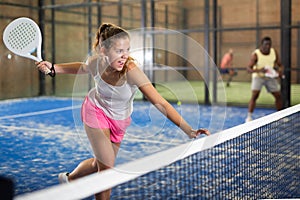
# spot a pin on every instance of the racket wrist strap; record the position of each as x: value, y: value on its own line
x: 52, y: 71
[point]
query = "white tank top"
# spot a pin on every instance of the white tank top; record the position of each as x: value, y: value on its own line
x: 115, y: 101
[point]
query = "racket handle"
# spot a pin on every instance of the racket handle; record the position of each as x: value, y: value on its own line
x: 52, y: 71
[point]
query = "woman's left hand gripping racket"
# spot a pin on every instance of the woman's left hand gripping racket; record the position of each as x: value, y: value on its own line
x: 22, y: 37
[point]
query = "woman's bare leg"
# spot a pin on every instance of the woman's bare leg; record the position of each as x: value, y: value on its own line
x: 105, y: 152
x: 86, y: 167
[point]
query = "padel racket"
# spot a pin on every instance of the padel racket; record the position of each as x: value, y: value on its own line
x: 271, y: 72
x: 23, y: 37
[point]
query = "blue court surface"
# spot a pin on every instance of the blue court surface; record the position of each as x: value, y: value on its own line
x: 41, y: 137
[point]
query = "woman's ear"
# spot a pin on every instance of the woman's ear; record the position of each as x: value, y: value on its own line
x: 102, y: 51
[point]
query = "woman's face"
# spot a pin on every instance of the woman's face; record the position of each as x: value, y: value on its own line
x: 118, y: 53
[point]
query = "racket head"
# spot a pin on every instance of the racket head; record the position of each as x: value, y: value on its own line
x: 22, y: 37
x: 271, y: 72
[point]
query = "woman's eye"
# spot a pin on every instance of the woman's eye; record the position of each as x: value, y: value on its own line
x: 120, y: 51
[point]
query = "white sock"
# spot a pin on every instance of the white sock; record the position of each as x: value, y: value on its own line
x: 249, y: 114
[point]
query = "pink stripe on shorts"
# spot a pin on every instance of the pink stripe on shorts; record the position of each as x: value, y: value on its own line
x: 94, y: 117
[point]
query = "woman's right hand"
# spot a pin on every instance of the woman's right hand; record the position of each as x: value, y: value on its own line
x: 194, y: 133
x: 44, y: 67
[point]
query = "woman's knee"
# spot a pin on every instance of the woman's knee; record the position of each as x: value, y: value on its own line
x: 103, y: 166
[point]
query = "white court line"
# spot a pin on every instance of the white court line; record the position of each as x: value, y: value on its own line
x: 154, y: 141
x: 20, y: 128
x: 47, y: 130
x: 40, y: 112
x: 15, y: 128
x: 58, y: 110
x: 23, y: 128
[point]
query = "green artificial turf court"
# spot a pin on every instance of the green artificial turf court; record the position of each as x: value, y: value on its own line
x: 238, y: 93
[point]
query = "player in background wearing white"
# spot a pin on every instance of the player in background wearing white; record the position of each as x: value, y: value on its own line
x: 265, y: 67
x: 107, y: 108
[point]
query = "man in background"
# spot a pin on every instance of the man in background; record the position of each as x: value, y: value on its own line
x: 226, y: 66
x: 265, y: 67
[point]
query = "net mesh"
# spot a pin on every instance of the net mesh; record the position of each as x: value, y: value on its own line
x: 256, y: 160
x: 263, y: 163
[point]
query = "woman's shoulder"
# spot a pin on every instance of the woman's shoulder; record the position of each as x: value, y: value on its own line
x: 95, y: 63
x: 92, y: 59
x: 135, y: 74
x: 131, y: 63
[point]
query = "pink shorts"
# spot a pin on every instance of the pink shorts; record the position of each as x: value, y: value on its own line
x: 94, y: 117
